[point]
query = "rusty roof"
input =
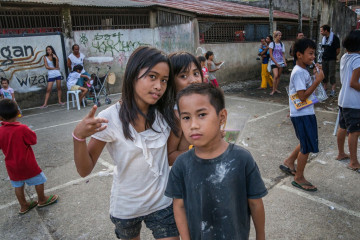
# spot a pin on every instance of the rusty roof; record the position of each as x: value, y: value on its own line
x: 199, y: 7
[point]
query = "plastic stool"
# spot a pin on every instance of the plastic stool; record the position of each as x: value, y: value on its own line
x: 76, y: 94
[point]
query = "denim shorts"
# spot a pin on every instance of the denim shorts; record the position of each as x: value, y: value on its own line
x: 37, y: 180
x: 55, y: 78
x: 161, y: 223
x: 349, y: 119
x: 307, y: 133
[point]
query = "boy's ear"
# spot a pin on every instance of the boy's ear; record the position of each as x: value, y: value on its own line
x: 223, y: 116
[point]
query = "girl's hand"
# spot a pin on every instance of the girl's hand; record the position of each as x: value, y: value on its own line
x: 90, y: 125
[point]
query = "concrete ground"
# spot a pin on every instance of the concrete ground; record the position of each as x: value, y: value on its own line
x: 333, y: 212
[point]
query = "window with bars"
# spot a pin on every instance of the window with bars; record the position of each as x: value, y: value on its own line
x: 217, y: 32
x: 289, y: 31
x: 108, y: 19
x: 29, y: 21
x: 168, y: 18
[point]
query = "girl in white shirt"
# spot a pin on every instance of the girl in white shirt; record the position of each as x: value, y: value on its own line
x: 51, y: 62
x: 135, y: 132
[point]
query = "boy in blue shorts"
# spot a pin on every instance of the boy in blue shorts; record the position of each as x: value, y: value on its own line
x: 216, y: 186
x: 15, y: 142
x: 304, y: 120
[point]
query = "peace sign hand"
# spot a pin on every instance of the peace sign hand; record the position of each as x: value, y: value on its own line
x: 90, y: 125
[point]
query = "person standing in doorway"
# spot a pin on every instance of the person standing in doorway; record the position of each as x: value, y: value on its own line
x: 77, y: 58
x: 331, y: 45
x: 278, y: 61
x: 266, y: 77
x: 51, y: 62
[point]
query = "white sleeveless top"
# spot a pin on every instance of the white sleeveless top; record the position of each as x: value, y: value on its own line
x: 76, y: 61
x: 52, y: 73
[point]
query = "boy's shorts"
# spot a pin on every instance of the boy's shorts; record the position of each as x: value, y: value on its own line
x: 37, y: 180
x: 55, y: 78
x: 349, y: 119
x: 161, y: 223
x: 307, y: 133
x: 74, y: 87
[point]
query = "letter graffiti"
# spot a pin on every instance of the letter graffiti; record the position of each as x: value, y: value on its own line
x: 111, y: 43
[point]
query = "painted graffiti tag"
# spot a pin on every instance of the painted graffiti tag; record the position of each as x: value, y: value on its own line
x: 110, y: 43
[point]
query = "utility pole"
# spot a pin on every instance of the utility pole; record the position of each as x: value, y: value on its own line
x: 311, y: 27
x: 300, y: 16
x: 271, y: 17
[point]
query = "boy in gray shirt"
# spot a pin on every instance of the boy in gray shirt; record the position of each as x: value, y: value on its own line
x: 216, y: 186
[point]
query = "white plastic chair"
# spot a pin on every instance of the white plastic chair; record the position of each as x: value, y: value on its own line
x: 76, y: 94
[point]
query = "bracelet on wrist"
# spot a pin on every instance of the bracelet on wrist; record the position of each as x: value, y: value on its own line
x: 78, y: 139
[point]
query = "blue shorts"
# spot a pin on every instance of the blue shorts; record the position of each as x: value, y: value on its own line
x: 161, y: 223
x: 37, y: 180
x: 55, y: 78
x: 307, y: 133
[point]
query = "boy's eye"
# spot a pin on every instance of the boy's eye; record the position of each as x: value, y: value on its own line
x: 202, y: 114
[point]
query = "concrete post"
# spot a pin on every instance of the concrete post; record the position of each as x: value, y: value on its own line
x: 152, y: 16
x: 300, y: 16
x: 66, y: 21
x: 311, y: 24
x: 195, y: 28
x: 271, y: 17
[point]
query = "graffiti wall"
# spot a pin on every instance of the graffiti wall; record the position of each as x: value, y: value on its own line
x: 113, y: 48
x: 21, y: 61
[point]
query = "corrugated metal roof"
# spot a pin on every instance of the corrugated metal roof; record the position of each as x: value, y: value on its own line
x: 219, y: 8
x: 88, y: 3
x: 200, y: 7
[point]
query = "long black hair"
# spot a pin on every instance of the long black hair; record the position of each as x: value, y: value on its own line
x: 181, y: 61
x: 53, y: 51
x: 146, y: 58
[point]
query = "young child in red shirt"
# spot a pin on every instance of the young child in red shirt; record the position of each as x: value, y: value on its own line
x: 15, y: 142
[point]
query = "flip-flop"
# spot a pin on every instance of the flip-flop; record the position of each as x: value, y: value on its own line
x: 287, y: 170
x: 300, y: 185
x: 342, y: 159
x: 354, y: 169
x: 50, y: 201
x: 31, y: 206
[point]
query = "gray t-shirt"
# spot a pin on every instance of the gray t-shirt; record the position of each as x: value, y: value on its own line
x: 216, y: 192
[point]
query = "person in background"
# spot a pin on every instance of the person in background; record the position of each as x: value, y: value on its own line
x: 266, y: 77
x: 77, y: 58
x: 204, y: 69
x: 51, y: 62
x: 278, y: 61
x: 331, y: 45
x: 299, y: 35
x: 212, y: 67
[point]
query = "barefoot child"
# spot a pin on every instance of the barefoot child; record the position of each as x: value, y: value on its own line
x: 349, y: 99
x: 135, y: 132
x: 304, y: 120
x: 15, y: 142
x: 212, y: 67
x: 216, y: 186
x: 187, y: 70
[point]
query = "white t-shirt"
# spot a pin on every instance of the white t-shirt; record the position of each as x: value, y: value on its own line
x: 76, y: 61
x: 142, y: 169
x: 72, y: 79
x: 349, y: 97
x: 52, y: 73
x: 7, y: 93
x: 278, y: 52
x: 300, y: 79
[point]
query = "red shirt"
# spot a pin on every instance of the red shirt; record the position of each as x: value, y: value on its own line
x: 15, y: 141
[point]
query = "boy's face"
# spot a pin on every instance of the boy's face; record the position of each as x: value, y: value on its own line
x: 187, y: 76
x: 263, y: 41
x: 307, y: 57
x: 199, y: 121
x: 4, y: 84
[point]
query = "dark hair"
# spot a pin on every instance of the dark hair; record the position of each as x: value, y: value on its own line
x: 73, y: 46
x: 146, y: 58
x: 352, y: 41
x: 8, y: 109
x: 201, y: 59
x: 325, y: 27
x: 216, y: 95
x: 78, y: 67
x: 302, y: 44
x: 53, y: 51
x: 262, y: 38
x: 181, y: 61
x: 208, y: 54
x: 4, y: 79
